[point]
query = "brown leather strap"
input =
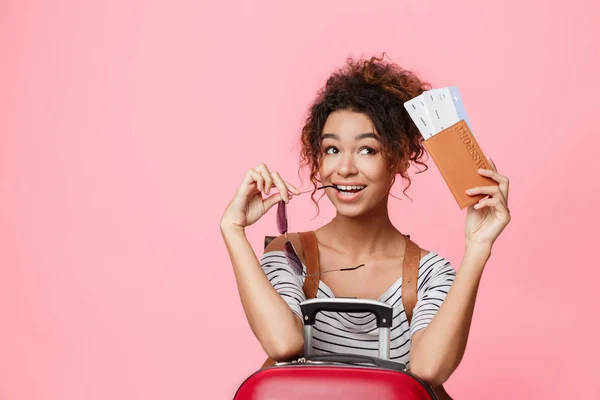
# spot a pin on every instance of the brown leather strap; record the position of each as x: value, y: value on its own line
x: 310, y: 248
x: 410, y: 274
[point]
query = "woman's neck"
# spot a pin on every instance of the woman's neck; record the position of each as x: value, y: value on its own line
x: 369, y: 233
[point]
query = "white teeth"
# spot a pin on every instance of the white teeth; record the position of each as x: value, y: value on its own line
x: 342, y: 187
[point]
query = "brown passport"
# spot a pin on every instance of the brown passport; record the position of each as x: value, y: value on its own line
x: 458, y: 157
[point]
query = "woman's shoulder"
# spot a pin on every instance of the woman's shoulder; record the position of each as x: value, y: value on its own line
x: 430, y: 255
x: 434, y: 263
x: 425, y: 253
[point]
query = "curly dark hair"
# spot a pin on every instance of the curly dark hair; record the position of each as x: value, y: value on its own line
x: 377, y: 89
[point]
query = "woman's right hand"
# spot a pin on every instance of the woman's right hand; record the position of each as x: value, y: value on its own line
x: 248, y: 205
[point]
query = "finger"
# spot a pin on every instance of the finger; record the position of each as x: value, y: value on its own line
x: 493, y: 191
x: 280, y: 184
x: 493, y: 203
x: 292, y: 188
x: 502, y: 180
x: 487, y: 202
x: 266, y: 174
x: 492, y: 164
x: 258, y: 179
x: 250, y: 182
x: 270, y: 201
x: 248, y: 179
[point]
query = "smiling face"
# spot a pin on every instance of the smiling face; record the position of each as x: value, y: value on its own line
x: 352, y: 160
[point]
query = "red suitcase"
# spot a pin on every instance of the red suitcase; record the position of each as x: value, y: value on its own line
x: 338, y: 376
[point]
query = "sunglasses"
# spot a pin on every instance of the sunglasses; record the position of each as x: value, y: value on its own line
x: 289, y: 251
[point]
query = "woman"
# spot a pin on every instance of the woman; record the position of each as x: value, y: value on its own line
x: 358, y: 138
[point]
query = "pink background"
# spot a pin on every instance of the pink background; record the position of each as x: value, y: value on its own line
x: 126, y: 127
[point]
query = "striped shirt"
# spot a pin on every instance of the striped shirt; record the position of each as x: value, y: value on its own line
x: 357, y: 333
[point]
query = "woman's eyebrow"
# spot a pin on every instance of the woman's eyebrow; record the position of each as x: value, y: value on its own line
x: 367, y: 135
x: 358, y: 137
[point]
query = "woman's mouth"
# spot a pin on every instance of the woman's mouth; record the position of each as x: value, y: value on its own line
x: 348, y: 192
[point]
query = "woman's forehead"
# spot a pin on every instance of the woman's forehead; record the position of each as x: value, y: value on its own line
x: 344, y: 125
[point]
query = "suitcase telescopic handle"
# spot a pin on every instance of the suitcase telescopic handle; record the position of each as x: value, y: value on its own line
x: 383, y: 313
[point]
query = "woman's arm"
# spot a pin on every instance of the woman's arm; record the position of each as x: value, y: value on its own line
x: 272, y: 321
x: 274, y: 324
x: 437, y: 350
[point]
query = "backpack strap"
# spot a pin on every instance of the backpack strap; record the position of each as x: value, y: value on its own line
x: 410, y: 275
x: 310, y: 248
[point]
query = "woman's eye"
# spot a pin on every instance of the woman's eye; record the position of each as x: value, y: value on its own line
x: 331, y: 150
x: 367, y: 150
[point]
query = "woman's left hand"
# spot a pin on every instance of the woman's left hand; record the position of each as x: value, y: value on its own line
x: 487, y: 218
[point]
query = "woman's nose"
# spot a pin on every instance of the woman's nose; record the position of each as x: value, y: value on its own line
x: 346, y: 165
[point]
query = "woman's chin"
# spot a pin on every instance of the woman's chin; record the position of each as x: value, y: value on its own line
x: 359, y: 208
x: 352, y: 210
